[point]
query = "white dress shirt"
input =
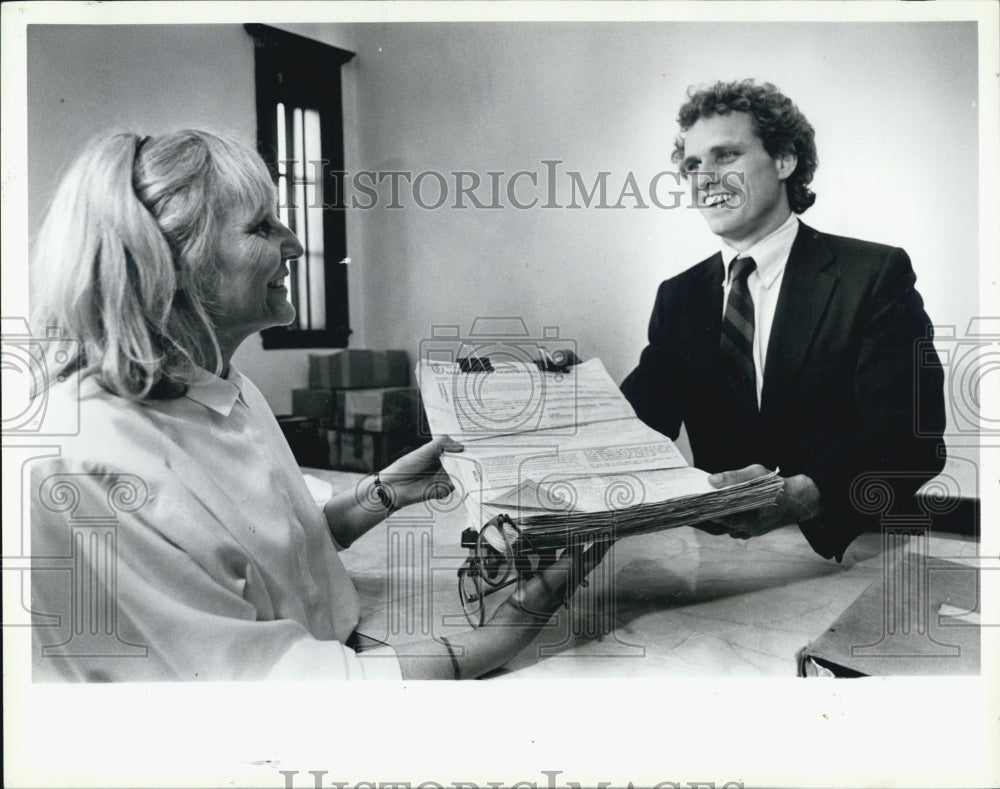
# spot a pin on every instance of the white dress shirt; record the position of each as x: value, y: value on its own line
x: 764, y: 283
x: 226, y: 568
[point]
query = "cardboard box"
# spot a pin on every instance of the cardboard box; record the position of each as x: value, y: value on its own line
x: 378, y: 410
x: 366, y: 451
x: 341, y: 369
x: 316, y: 404
x: 332, y: 444
x: 309, y: 442
x: 391, y: 368
x: 358, y: 369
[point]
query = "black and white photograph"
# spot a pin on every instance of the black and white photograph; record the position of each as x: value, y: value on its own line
x: 501, y: 394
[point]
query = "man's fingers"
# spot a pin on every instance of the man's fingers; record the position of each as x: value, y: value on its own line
x: 736, y: 522
x: 724, y: 479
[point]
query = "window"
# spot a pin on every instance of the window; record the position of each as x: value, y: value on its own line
x: 300, y: 134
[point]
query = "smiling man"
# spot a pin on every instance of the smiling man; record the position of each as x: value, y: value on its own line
x: 790, y: 348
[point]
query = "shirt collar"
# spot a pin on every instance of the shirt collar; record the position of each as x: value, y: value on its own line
x: 215, y: 393
x: 770, y: 253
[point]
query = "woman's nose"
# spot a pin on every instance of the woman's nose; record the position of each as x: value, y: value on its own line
x: 290, y: 246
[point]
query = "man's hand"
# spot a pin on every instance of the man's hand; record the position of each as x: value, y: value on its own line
x: 798, y: 501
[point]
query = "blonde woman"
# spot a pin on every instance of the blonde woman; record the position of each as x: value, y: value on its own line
x: 157, y: 258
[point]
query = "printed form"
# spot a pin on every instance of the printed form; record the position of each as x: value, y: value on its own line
x: 549, y: 441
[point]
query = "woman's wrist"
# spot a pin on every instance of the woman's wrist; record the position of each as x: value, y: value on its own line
x: 385, y: 495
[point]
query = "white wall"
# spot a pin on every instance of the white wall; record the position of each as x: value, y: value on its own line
x: 896, y: 129
x: 84, y: 80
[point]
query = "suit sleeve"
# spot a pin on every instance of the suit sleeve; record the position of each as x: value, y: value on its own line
x: 650, y: 387
x: 898, y: 389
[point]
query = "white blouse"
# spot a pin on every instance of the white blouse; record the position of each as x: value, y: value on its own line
x: 177, y: 540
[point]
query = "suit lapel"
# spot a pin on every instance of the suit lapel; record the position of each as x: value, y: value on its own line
x: 805, y: 292
x: 706, y: 311
x: 715, y: 274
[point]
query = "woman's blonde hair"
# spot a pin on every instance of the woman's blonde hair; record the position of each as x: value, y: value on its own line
x: 125, y: 261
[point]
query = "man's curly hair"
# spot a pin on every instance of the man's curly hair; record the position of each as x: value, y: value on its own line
x: 776, y: 120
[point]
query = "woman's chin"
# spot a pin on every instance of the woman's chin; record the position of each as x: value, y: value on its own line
x: 284, y: 316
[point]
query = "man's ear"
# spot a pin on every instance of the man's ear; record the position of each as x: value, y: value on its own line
x: 784, y: 164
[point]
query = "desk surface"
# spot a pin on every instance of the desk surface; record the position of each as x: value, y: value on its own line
x: 674, y: 603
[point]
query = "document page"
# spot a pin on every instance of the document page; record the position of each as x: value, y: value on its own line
x: 522, y: 426
x: 499, y: 463
x: 516, y: 398
x: 563, y: 452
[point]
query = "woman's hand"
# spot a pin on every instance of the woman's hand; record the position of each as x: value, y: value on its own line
x: 418, y: 476
x: 550, y: 587
x: 514, y: 625
x: 413, y: 478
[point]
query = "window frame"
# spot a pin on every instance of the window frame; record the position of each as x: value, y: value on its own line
x: 303, y: 73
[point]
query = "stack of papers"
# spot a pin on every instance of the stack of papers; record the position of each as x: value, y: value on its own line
x: 563, y: 453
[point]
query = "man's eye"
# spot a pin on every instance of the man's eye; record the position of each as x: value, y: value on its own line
x: 728, y: 156
x: 263, y: 228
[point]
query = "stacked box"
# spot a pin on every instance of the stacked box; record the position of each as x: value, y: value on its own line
x: 319, y: 406
x: 362, y: 407
x: 378, y: 410
x: 367, y: 451
x: 375, y: 410
x: 316, y: 404
x: 358, y: 369
x: 309, y: 441
x: 376, y: 426
x: 391, y: 368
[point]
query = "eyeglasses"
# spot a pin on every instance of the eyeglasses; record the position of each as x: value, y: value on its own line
x: 500, y: 555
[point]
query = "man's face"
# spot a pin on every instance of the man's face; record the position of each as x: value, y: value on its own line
x: 738, y: 187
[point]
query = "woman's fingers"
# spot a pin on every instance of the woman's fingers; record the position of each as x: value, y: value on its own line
x: 443, y: 444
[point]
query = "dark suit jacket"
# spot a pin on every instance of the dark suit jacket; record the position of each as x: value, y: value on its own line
x: 844, y: 389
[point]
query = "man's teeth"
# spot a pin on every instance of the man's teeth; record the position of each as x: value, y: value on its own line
x: 717, y: 199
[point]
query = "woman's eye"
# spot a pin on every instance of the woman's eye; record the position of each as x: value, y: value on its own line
x: 262, y: 229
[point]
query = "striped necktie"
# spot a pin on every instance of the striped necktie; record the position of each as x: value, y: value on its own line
x: 737, y: 334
